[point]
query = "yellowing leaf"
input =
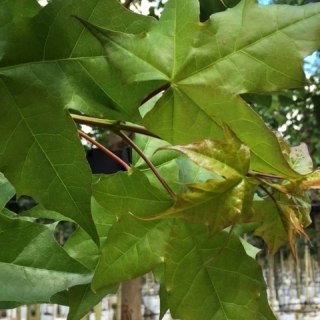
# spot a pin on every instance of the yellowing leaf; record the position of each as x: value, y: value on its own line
x: 298, y: 157
x: 215, y: 203
x: 311, y: 181
x: 292, y: 225
x: 229, y: 159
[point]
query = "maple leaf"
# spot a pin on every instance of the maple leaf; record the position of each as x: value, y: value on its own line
x: 229, y: 159
x: 134, y: 247
x: 207, y: 65
x: 215, y: 203
x: 47, y: 66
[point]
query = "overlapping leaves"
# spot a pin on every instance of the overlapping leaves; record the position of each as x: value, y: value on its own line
x: 49, y: 64
x: 216, y: 203
x: 203, y: 67
x: 228, y: 199
x: 135, y: 246
x: 287, y: 211
x: 207, y: 65
x: 32, y: 272
x: 80, y: 246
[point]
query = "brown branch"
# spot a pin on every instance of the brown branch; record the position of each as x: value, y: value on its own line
x: 149, y: 163
x: 127, y: 3
x: 155, y: 92
x: 104, y: 149
x: 268, y: 193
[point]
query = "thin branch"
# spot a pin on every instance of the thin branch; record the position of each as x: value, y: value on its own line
x: 105, y: 150
x: 267, y: 192
x: 148, y: 162
x: 111, y: 125
x: 155, y: 92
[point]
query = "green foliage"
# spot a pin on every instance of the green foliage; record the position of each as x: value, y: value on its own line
x: 198, y: 162
x: 198, y: 66
x: 296, y: 112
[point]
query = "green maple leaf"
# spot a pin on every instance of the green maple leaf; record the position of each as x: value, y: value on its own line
x: 207, y: 65
x: 181, y: 246
x: 82, y: 299
x: 81, y: 247
x: 191, y: 250
x: 49, y: 65
x: 144, y: 199
x: 126, y: 194
x: 143, y: 246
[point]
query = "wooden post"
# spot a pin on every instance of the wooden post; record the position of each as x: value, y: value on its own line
x: 270, y: 280
x: 276, y: 277
x: 131, y: 300
x: 28, y: 315
x: 37, y: 312
x: 291, y: 271
x: 317, y: 227
x: 86, y: 316
x: 298, y: 276
x: 18, y: 313
x: 98, y: 311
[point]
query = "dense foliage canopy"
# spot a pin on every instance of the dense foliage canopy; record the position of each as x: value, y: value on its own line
x: 205, y: 166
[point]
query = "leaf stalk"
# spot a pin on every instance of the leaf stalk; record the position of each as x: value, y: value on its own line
x: 155, y: 92
x: 104, y: 149
x: 111, y: 125
x: 148, y: 162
